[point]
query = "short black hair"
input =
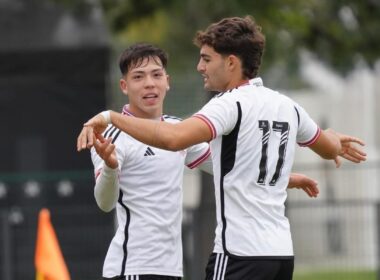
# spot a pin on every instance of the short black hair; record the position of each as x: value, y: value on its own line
x: 134, y: 55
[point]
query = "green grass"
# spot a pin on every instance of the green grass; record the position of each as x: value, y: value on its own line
x: 335, y: 275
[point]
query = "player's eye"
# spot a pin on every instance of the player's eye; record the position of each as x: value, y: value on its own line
x: 158, y: 74
x: 136, y: 77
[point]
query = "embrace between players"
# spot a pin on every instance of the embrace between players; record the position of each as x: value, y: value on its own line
x: 245, y: 136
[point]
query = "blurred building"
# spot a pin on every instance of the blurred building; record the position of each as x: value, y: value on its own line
x: 339, y: 230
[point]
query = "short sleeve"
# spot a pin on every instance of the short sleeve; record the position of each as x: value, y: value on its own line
x: 197, y: 154
x: 308, y: 131
x: 220, y: 114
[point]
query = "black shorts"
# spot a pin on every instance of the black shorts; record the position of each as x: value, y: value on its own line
x: 143, y: 277
x: 223, y: 267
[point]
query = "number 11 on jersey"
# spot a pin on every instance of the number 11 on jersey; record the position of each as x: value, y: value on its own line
x: 283, y: 129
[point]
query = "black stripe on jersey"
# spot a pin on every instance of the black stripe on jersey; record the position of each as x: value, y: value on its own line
x: 171, y: 117
x: 228, y: 156
x: 110, y: 132
x: 116, y: 135
x: 126, y: 234
x: 107, y: 131
x: 298, y: 115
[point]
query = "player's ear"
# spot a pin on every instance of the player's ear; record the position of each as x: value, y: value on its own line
x: 123, y: 86
x: 168, y: 81
x: 233, y: 62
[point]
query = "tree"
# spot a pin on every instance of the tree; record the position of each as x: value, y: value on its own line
x: 340, y: 33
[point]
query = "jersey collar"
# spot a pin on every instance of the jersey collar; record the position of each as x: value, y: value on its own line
x: 126, y: 111
x: 256, y: 82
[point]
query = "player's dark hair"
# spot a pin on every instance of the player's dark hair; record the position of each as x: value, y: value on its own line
x: 237, y: 36
x: 135, y: 54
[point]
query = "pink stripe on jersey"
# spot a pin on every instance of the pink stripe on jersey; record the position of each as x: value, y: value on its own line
x: 312, y: 141
x: 201, y: 159
x: 98, y: 173
x: 127, y: 112
x: 209, y: 124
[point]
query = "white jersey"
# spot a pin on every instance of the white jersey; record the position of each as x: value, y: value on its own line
x: 254, y: 133
x: 149, y: 208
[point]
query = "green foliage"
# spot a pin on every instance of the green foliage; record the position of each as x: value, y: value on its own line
x: 340, y: 33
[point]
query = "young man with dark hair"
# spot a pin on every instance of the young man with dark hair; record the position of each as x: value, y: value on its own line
x: 142, y: 182
x: 252, y: 132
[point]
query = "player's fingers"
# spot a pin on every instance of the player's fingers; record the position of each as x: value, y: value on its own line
x: 100, y: 137
x: 346, y: 139
x: 350, y: 158
x: 338, y: 162
x: 357, y: 152
x: 109, y: 149
x: 82, y: 139
x: 89, y: 136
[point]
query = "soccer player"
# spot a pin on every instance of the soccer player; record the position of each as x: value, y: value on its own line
x: 252, y: 132
x: 145, y: 183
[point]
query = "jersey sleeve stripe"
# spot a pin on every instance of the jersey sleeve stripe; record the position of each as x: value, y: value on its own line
x: 98, y: 173
x: 209, y: 124
x: 116, y: 136
x: 312, y: 141
x: 201, y: 159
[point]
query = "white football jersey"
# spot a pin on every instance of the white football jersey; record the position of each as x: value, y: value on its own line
x: 254, y: 130
x: 149, y: 208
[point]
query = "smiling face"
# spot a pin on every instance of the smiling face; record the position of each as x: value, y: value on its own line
x: 145, y: 85
x: 213, y: 68
x: 219, y: 72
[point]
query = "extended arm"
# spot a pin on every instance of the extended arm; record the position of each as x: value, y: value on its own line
x: 332, y: 145
x: 159, y: 134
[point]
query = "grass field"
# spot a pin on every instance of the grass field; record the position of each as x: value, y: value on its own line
x: 333, y: 275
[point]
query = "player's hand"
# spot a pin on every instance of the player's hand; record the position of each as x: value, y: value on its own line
x: 106, y: 150
x: 350, y: 151
x: 300, y: 181
x: 95, y: 125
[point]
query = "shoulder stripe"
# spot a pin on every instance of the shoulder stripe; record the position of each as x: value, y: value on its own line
x: 199, y: 160
x: 312, y: 140
x: 107, y: 131
x: 209, y: 124
x: 116, y: 136
x: 110, y: 132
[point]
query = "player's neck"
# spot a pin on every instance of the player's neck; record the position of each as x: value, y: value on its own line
x: 236, y: 83
x: 154, y: 114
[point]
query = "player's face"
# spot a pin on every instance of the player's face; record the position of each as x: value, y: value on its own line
x: 213, y: 67
x: 146, y: 86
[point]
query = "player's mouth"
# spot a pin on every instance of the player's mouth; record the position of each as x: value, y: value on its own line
x: 150, y: 96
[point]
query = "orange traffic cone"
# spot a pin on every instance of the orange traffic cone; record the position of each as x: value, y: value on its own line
x: 49, y: 261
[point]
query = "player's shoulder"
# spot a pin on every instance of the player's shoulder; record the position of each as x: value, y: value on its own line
x: 171, y: 119
x: 114, y: 133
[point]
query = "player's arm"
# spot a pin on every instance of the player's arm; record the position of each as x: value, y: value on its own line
x: 106, y: 188
x: 332, y: 145
x: 327, y: 145
x: 159, y: 134
x: 300, y: 181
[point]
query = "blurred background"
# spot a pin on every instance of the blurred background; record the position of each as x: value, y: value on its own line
x: 58, y: 67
